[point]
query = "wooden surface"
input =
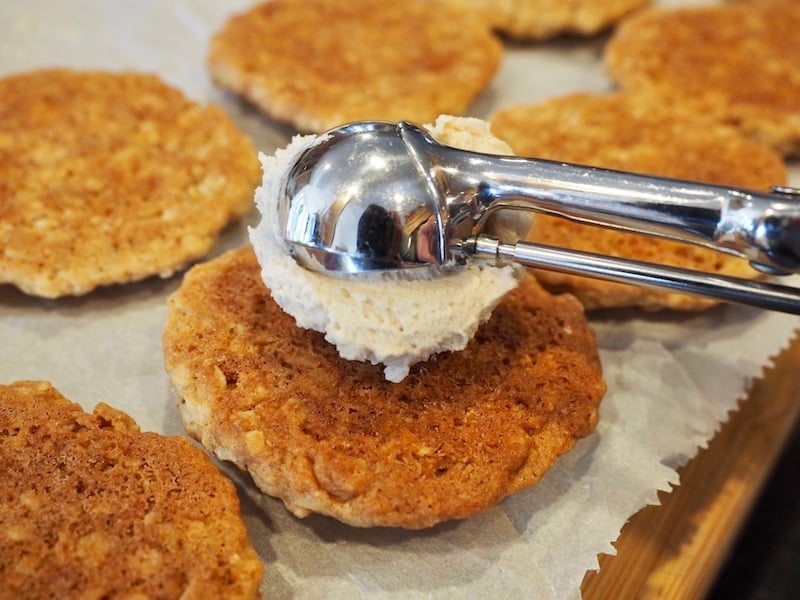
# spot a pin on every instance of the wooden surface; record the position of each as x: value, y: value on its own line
x: 675, y: 550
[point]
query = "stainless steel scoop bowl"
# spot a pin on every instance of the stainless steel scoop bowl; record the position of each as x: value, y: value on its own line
x: 375, y: 195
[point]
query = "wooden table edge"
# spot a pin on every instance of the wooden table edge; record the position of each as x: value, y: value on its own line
x: 676, y: 549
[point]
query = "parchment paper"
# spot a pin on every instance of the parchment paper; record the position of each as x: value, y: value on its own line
x: 672, y: 379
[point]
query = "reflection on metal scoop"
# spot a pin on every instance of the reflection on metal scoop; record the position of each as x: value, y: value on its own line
x: 375, y: 196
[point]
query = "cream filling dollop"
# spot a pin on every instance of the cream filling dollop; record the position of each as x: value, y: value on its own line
x: 394, y: 318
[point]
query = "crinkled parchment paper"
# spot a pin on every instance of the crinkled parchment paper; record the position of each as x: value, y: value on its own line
x: 672, y: 379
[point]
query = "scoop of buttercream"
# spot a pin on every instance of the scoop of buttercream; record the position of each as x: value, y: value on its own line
x: 396, y: 318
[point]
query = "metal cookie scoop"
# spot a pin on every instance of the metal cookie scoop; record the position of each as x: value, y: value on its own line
x: 375, y: 195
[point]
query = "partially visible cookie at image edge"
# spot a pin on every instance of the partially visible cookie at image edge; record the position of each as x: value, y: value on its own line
x: 539, y: 20
x: 735, y: 63
x: 317, y: 64
x: 90, y: 506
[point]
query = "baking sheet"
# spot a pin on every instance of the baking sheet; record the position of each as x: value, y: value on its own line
x: 672, y: 379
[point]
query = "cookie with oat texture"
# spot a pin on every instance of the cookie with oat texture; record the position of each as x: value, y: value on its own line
x: 90, y: 506
x: 326, y: 435
x: 108, y: 178
x: 734, y: 63
x: 317, y: 64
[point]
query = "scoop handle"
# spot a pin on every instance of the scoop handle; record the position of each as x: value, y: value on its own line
x: 763, y: 228
x: 719, y: 287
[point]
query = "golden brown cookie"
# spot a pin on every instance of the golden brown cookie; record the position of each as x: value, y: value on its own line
x: 735, y: 63
x: 320, y: 63
x: 90, y: 507
x: 544, y: 19
x: 624, y: 132
x: 111, y: 177
x: 327, y: 435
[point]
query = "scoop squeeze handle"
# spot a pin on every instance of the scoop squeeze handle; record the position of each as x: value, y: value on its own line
x: 621, y: 270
